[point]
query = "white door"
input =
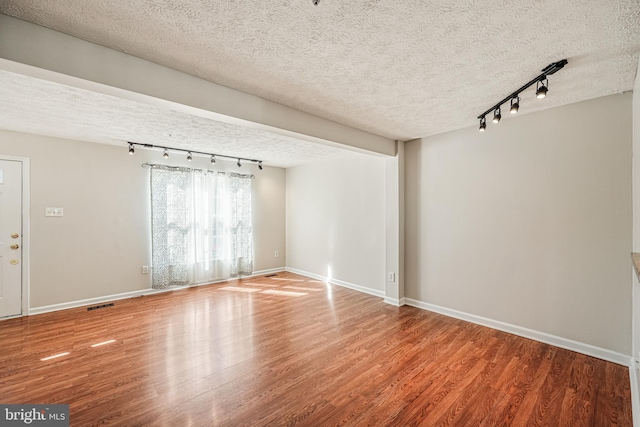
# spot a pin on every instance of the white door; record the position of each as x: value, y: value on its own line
x: 10, y: 238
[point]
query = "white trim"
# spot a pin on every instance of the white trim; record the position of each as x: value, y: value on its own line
x: 333, y: 281
x: 565, y: 343
x: 635, y: 394
x: 26, y: 234
x: 589, y: 350
x: 265, y: 272
x: 11, y: 317
x: 213, y: 282
x: 96, y: 300
x: 394, y: 301
x: 134, y: 294
x: 26, y: 246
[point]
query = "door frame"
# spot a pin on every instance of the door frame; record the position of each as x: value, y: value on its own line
x: 26, y: 214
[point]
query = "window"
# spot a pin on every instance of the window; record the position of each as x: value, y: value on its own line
x: 201, y: 226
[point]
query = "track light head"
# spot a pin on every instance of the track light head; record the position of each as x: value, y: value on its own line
x: 189, y: 156
x: 542, y: 87
x: 497, y: 115
x: 515, y: 106
x: 541, y: 91
x: 483, y: 124
x: 239, y: 164
x: 131, y: 150
x: 260, y: 165
x: 165, y: 154
x: 213, y: 159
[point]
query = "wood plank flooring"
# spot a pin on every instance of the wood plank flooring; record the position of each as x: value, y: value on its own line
x: 288, y: 350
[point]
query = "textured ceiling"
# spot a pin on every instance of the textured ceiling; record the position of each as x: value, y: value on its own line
x: 400, y: 69
x: 45, y: 108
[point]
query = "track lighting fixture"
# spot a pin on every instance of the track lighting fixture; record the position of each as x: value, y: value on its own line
x: 515, y: 105
x: 483, y: 124
x: 497, y: 115
x: 190, y: 153
x: 542, y: 87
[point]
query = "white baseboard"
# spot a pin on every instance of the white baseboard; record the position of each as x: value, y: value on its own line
x: 568, y: 344
x: 268, y: 271
x: 91, y: 301
x: 587, y: 349
x: 333, y: 281
x: 134, y: 294
x: 635, y: 393
x: 394, y: 301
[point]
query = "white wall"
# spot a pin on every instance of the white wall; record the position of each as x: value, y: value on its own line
x: 528, y: 223
x: 336, y: 219
x: 97, y: 248
x: 269, y: 216
x: 394, y: 200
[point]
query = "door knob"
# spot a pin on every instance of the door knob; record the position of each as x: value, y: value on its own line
x: 15, y: 235
x: 14, y: 246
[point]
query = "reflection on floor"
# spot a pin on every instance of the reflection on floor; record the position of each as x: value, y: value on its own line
x: 288, y: 350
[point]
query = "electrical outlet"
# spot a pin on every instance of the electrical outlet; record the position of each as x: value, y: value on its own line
x: 276, y: 254
x: 391, y: 276
x: 145, y: 269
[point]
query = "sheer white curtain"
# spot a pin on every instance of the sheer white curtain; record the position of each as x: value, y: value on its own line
x: 171, y: 226
x: 239, y: 231
x: 209, y: 220
x: 214, y: 237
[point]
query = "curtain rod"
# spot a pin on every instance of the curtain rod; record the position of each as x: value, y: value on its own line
x: 185, y: 169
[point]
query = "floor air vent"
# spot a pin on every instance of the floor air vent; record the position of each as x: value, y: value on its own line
x: 95, y: 307
x: 271, y: 275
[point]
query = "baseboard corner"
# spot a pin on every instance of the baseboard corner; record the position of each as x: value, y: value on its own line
x: 568, y: 344
x: 337, y: 282
x: 635, y: 392
x: 394, y: 301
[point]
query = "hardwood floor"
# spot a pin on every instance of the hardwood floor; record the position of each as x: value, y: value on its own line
x: 288, y: 350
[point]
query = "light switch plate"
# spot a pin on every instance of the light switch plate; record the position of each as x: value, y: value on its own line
x: 53, y: 212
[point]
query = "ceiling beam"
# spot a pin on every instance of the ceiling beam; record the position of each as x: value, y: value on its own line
x: 43, y: 53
